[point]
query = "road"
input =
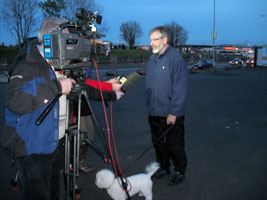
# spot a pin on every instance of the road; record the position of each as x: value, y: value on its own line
x: 226, y: 139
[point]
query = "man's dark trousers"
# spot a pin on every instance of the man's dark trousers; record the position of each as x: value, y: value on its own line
x: 40, y: 174
x: 171, y: 146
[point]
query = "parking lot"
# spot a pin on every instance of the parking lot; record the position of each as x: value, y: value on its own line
x: 225, y: 136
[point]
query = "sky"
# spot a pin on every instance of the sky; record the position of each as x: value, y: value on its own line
x: 236, y: 21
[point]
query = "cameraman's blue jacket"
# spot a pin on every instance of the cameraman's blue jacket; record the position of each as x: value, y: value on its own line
x: 166, y: 84
x: 32, y: 84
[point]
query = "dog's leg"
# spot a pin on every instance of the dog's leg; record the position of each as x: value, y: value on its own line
x: 148, y: 196
x: 147, y: 193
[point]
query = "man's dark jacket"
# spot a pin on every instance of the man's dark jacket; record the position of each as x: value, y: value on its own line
x: 166, y: 84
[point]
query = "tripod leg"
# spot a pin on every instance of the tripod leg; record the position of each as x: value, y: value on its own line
x: 72, y: 152
x: 67, y: 165
x: 100, y: 152
x: 101, y: 131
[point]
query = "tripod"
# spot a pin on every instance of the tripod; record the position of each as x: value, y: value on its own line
x: 73, y: 140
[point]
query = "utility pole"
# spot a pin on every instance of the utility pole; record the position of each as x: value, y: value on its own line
x: 213, y: 37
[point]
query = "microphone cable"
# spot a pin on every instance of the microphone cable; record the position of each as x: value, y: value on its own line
x: 113, y: 139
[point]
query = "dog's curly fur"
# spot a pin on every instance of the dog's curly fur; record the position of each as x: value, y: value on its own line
x: 141, y: 183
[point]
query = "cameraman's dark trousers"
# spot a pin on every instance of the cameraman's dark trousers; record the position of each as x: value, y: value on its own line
x: 171, y: 146
x: 40, y: 174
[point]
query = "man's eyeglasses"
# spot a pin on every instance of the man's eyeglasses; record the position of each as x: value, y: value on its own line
x: 154, y: 40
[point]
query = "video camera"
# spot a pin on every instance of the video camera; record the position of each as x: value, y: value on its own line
x: 72, y: 49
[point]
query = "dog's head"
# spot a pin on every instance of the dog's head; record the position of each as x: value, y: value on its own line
x: 104, y: 178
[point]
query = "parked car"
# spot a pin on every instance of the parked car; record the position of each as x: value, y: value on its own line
x: 203, y: 64
x: 236, y: 61
x: 250, y: 62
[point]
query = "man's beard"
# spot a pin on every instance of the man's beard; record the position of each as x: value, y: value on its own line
x: 157, y: 50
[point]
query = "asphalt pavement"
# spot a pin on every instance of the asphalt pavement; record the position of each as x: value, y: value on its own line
x: 225, y: 137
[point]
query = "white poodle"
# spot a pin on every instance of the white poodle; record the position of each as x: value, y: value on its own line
x: 141, y: 183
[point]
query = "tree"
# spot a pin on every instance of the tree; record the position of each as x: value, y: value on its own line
x: 178, y: 34
x: 130, y: 32
x: 52, y: 7
x: 19, y: 18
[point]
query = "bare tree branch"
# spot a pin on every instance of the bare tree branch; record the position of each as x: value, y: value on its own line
x: 18, y: 16
x: 130, y: 32
x: 178, y: 34
x: 52, y: 8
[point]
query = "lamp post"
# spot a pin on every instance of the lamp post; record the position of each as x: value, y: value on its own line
x: 213, y: 37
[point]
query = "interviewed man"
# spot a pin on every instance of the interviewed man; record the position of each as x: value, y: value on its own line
x: 166, y: 93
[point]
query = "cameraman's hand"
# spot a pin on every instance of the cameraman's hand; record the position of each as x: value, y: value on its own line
x: 119, y: 94
x: 66, y: 85
x: 97, y: 42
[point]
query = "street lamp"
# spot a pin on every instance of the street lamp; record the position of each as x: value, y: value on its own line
x: 213, y: 37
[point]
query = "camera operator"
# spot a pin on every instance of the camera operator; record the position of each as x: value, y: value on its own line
x: 39, y: 150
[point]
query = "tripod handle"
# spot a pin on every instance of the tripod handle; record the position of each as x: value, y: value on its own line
x: 47, y: 110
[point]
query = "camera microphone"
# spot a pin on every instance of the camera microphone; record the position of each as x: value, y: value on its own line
x: 129, y: 81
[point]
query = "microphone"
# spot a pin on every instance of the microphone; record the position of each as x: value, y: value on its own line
x: 129, y: 81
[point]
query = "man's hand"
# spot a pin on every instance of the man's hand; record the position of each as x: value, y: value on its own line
x: 113, y: 80
x: 66, y: 85
x: 119, y: 94
x: 171, y: 119
x: 116, y: 86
